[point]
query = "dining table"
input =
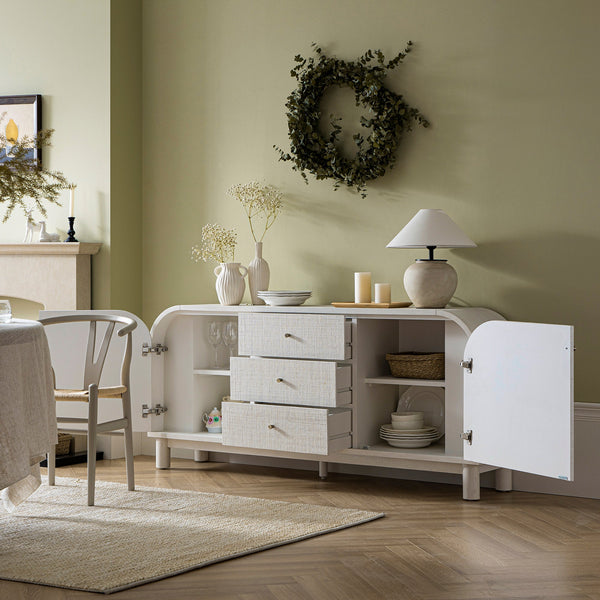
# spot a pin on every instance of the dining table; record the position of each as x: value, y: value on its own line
x: 27, y: 408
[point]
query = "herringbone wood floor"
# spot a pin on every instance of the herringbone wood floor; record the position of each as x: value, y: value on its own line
x: 431, y: 546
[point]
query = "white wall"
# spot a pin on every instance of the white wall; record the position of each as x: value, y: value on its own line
x: 61, y: 50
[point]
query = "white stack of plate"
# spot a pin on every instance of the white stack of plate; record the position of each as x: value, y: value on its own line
x: 409, y: 438
x: 284, y: 297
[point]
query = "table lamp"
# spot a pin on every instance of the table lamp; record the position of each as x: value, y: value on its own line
x: 430, y: 282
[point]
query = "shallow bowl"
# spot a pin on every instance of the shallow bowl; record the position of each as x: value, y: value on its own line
x: 407, y: 420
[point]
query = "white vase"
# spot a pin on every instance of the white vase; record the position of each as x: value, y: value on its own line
x: 230, y: 283
x: 258, y: 274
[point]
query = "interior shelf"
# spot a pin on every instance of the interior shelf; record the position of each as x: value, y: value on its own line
x: 222, y: 372
x: 390, y: 380
x: 435, y: 452
x: 201, y: 436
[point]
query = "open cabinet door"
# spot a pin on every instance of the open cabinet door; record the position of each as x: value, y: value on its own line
x: 518, y: 397
x: 67, y: 350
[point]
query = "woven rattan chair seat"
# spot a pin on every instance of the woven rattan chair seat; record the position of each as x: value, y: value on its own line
x: 82, y: 395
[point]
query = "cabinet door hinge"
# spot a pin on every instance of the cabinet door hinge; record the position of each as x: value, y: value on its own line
x: 157, y: 410
x: 467, y: 436
x: 158, y: 349
x: 467, y: 364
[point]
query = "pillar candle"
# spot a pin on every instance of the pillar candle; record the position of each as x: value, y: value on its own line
x: 72, y: 202
x: 383, y: 293
x: 362, y: 287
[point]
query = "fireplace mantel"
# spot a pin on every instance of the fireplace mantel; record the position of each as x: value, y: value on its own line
x: 45, y: 248
x: 54, y: 274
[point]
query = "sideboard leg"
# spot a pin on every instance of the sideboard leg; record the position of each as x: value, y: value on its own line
x: 163, y: 454
x: 504, y: 480
x: 470, y: 478
x: 200, y: 456
x: 322, y: 470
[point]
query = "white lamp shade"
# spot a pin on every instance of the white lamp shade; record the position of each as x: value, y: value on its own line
x: 431, y: 227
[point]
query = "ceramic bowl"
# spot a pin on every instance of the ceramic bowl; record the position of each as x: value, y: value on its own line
x: 407, y: 420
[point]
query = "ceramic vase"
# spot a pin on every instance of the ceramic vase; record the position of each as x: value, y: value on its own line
x: 230, y: 283
x: 258, y: 274
x: 430, y: 283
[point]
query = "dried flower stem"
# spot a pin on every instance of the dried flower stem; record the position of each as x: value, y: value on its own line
x: 218, y: 244
x: 22, y: 176
x: 259, y: 202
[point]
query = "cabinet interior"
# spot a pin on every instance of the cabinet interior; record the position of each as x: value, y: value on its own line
x: 193, y: 386
x: 376, y: 391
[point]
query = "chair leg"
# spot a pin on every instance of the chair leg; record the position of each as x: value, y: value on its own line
x: 126, y: 399
x: 91, y: 442
x: 51, y: 460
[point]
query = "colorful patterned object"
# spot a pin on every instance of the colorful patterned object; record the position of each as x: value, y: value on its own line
x: 212, y: 420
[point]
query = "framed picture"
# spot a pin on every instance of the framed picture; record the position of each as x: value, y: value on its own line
x: 21, y: 117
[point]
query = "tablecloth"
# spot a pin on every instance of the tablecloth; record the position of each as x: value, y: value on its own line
x: 27, y: 408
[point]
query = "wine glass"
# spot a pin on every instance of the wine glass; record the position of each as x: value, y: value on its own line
x: 5, y: 311
x: 214, y: 338
x: 230, y: 337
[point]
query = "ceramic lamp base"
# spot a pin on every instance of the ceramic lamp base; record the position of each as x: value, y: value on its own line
x: 430, y: 283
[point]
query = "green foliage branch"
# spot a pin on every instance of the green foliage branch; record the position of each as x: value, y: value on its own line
x: 23, y: 177
x: 390, y: 117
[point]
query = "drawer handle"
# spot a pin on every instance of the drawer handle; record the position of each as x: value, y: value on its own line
x: 271, y: 426
x: 287, y: 335
x: 279, y: 380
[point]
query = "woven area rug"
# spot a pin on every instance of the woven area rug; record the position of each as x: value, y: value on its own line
x: 131, y: 538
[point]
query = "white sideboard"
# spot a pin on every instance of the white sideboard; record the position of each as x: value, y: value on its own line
x: 312, y: 383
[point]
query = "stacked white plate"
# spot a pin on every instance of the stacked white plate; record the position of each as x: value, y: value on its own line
x: 409, y: 438
x: 284, y: 297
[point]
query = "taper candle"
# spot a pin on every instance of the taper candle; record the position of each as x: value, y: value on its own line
x: 383, y: 293
x: 72, y: 201
x: 362, y: 287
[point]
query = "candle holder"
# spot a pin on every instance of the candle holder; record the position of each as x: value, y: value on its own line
x: 71, y: 231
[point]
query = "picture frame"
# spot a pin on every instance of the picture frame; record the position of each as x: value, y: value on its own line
x: 22, y: 116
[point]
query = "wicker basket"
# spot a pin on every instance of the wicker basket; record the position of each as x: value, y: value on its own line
x: 417, y: 365
x: 64, y: 444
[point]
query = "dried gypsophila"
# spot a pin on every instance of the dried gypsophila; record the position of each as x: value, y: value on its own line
x: 261, y: 202
x: 218, y: 244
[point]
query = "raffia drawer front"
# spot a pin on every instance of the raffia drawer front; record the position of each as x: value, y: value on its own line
x: 286, y: 428
x: 284, y: 381
x: 325, y: 337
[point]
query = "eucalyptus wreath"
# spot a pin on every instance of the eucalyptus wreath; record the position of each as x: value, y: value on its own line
x: 389, y: 117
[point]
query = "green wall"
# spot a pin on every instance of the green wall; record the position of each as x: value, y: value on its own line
x: 126, y: 155
x: 511, y: 89
x: 160, y: 106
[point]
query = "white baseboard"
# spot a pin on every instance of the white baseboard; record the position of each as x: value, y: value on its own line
x: 112, y: 444
x: 587, y: 465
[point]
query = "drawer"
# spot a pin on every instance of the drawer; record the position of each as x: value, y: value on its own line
x: 325, y: 337
x: 284, y: 381
x: 286, y: 428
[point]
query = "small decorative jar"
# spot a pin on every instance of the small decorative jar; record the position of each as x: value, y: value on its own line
x: 212, y: 420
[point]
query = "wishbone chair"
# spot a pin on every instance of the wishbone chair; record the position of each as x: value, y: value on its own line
x: 91, y: 392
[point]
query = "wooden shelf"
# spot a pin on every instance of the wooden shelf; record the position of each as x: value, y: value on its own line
x: 389, y: 380
x: 221, y: 372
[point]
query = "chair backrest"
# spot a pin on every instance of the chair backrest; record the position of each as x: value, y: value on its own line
x: 94, y: 361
